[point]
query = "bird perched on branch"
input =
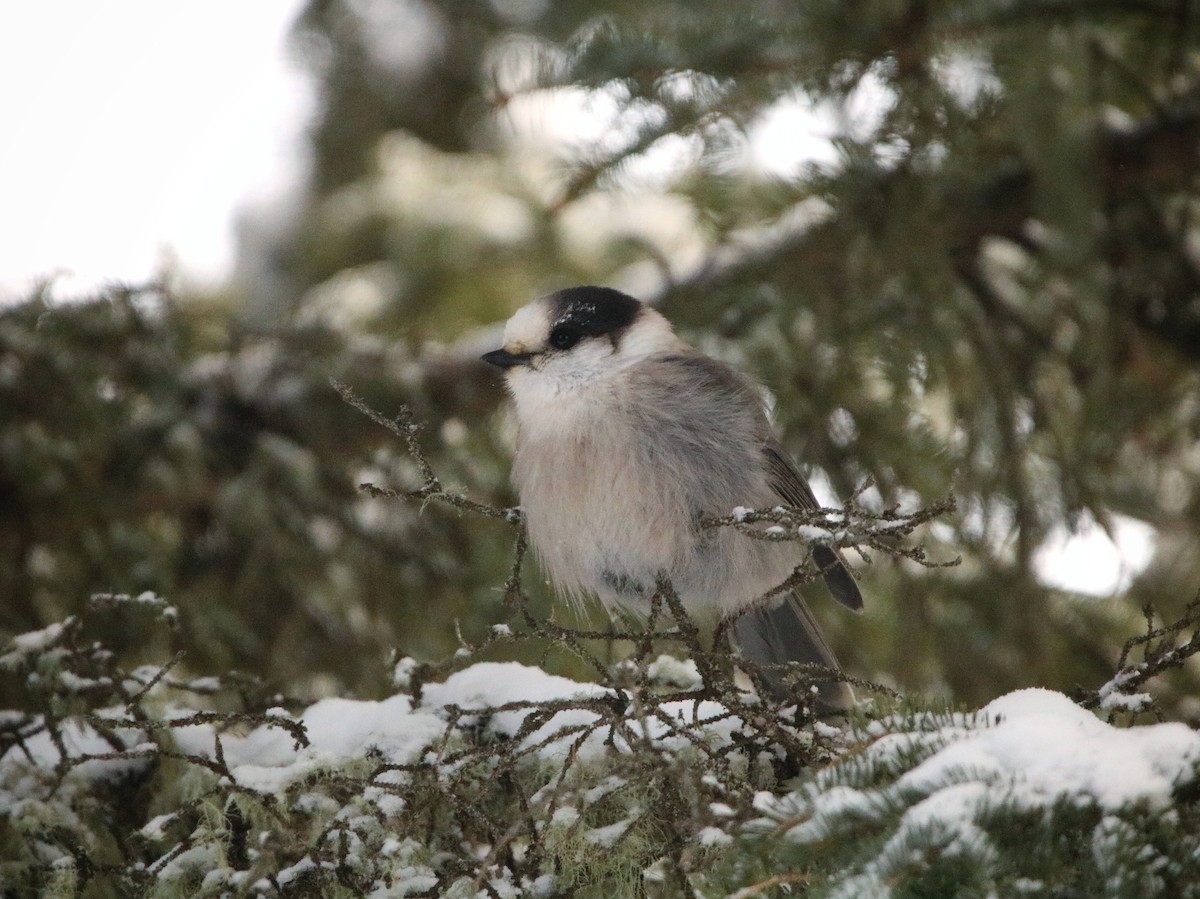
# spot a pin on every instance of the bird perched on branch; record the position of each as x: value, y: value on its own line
x: 628, y: 438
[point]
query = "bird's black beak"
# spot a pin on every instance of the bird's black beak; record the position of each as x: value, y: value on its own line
x: 505, y: 359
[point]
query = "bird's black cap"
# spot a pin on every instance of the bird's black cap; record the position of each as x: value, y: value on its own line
x: 593, y: 310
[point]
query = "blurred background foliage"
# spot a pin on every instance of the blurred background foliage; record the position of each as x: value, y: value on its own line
x: 985, y: 284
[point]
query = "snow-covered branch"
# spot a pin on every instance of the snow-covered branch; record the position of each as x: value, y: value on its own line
x: 1161, y: 651
x: 850, y: 527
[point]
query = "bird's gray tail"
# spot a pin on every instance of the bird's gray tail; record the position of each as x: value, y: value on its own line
x: 783, y: 632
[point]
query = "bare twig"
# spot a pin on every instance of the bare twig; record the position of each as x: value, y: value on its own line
x: 1161, y: 652
x: 404, y: 427
x: 851, y: 526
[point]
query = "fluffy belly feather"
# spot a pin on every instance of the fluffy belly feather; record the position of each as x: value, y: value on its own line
x: 603, y: 526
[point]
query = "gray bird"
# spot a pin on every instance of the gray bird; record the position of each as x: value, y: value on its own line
x: 627, y: 438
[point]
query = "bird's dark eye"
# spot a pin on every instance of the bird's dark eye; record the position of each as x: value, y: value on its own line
x: 564, y: 337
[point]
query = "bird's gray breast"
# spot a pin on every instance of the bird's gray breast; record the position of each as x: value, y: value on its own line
x: 614, y: 489
x: 600, y: 519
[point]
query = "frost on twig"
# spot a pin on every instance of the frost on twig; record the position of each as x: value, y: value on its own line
x: 667, y: 623
x: 770, y: 740
x: 1161, y: 650
x: 478, y: 777
x: 72, y: 684
x: 850, y: 527
x: 407, y: 429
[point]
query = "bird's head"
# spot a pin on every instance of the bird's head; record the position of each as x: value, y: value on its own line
x: 577, y: 336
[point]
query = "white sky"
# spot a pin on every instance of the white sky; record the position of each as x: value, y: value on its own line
x: 132, y: 130
x: 1093, y: 563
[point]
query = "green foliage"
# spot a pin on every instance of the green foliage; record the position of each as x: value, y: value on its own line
x: 483, y: 780
x: 871, y: 831
x: 986, y: 288
x: 147, y: 445
x: 114, y: 783
x: 983, y: 287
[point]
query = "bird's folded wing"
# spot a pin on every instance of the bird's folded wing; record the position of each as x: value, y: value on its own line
x: 784, y: 632
x: 794, y: 490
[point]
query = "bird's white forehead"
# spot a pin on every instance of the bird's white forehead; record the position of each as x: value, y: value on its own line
x: 528, y: 327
